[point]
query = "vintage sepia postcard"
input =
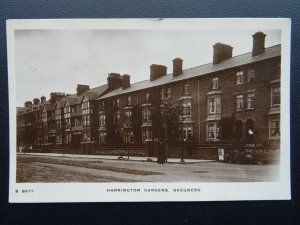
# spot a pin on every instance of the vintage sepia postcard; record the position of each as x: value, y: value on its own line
x: 114, y: 110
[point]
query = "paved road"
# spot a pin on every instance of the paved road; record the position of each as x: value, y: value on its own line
x: 32, y: 168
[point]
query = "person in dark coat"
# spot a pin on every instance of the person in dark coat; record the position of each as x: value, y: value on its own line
x: 161, y: 151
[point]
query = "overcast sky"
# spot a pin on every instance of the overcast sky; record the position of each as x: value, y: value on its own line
x: 57, y: 60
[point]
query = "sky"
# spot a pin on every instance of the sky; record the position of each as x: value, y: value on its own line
x: 57, y: 60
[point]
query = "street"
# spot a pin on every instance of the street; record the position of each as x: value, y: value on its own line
x: 50, y: 169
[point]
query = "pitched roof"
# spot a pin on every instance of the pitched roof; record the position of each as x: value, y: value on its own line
x: 20, y: 110
x: 236, y: 61
x: 95, y: 92
x: 60, y: 102
x: 75, y: 99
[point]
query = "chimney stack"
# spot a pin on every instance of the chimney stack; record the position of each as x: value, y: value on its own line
x: 125, y: 81
x: 81, y: 88
x: 114, y: 81
x: 28, y: 104
x: 157, y: 71
x: 221, y: 52
x: 258, y: 43
x: 54, y: 96
x: 36, y: 101
x: 177, y: 67
x: 43, y: 99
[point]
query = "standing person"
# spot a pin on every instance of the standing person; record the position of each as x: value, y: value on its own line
x: 161, y: 151
x: 250, y: 136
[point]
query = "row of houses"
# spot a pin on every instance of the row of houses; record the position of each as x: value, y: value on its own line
x: 233, y: 98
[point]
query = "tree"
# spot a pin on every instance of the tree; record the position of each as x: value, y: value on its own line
x: 167, y: 117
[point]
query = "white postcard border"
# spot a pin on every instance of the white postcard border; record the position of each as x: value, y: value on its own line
x: 208, y: 191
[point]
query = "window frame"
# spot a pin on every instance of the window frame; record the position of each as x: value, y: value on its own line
x: 217, y: 104
x: 239, y: 97
x: 215, y: 83
x: 252, y: 100
x: 277, y: 96
x: 277, y: 119
x: 215, y: 131
x: 239, y: 78
x: 250, y: 75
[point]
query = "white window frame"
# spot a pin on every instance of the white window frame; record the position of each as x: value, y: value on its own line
x: 147, y: 134
x: 146, y: 113
x: 214, y: 104
x: 272, y: 128
x: 129, y: 137
x: 215, y: 83
x: 250, y: 75
x: 86, y: 120
x: 250, y: 100
x: 128, y: 116
x: 117, y: 118
x: 129, y: 100
x: 58, y: 139
x: 187, y: 90
x: 102, y: 119
x: 187, y: 109
x: 187, y: 130
x: 239, y: 103
x: 147, y: 97
x: 239, y: 78
x: 214, y: 129
x: 272, y: 95
x: 102, y: 137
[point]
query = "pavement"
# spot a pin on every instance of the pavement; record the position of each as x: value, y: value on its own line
x: 115, y: 157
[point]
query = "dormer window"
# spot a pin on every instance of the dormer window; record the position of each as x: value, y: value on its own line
x: 215, y: 83
x: 239, y: 78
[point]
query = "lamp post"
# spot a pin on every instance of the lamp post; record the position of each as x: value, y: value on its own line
x: 182, y: 141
